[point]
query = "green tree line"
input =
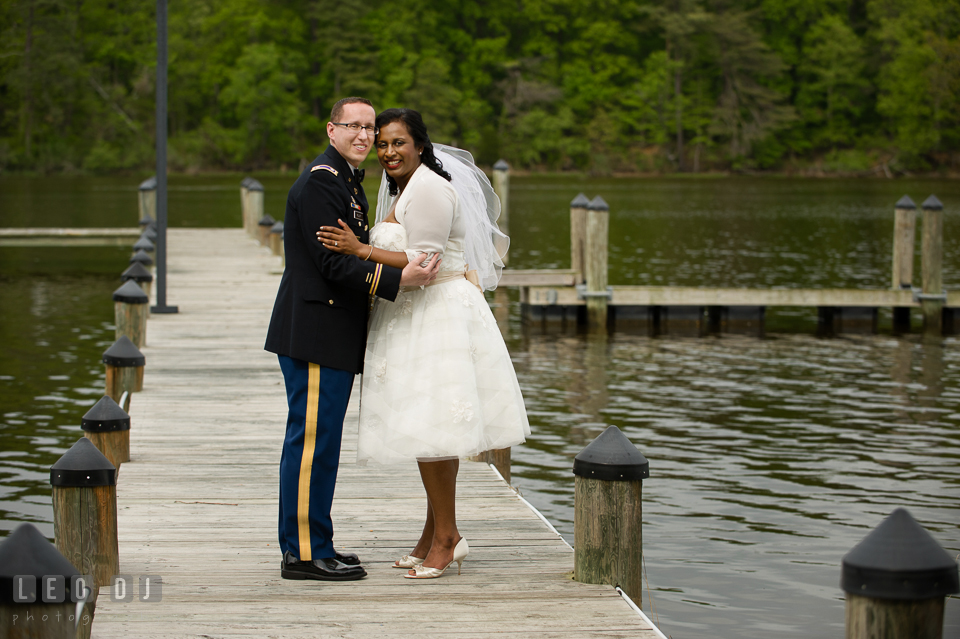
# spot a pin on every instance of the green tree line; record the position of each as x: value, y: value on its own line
x: 595, y: 85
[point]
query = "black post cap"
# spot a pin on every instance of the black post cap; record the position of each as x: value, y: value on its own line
x: 83, y: 465
x: 147, y: 221
x: 899, y: 560
x: 27, y: 552
x: 611, y: 457
x: 905, y: 203
x: 150, y: 233
x: 124, y: 354
x: 106, y: 416
x: 143, y: 244
x: 142, y: 257
x: 130, y: 293
x: 580, y: 202
x: 150, y: 184
x: 267, y: 220
x: 254, y: 185
x: 277, y: 228
x: 501, y: 165
x: 598, y: 204
x: 245, y: 182
x: 932, y: 204
x: 137, y: 272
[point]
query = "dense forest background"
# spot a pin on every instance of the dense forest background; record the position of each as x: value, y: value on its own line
x: 870, y: 86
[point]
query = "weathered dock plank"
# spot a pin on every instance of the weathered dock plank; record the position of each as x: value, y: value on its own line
x: 197, y: 501
x: 693, y: 296
x: 31, y: 237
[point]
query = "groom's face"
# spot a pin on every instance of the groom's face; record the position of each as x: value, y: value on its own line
x: 353, y: 145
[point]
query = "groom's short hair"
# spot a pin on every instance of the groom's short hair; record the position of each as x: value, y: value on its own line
x: 337, y: 111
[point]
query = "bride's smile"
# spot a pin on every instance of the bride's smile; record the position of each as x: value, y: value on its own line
x: 398, y: 154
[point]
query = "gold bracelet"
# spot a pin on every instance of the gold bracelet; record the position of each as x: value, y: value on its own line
x: 369, y: 254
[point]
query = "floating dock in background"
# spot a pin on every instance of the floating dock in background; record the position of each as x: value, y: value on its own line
x: 197, y: 503
x: 10, y: 237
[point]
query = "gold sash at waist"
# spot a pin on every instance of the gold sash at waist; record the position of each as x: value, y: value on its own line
x: 470, y: 276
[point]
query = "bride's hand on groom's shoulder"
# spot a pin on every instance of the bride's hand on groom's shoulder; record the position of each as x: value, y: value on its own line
x: 340, y: 240
x: 419, y: 272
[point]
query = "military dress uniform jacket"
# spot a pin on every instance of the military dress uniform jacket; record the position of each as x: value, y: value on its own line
x: 320, y: 314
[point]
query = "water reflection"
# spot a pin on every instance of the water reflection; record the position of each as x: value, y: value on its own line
x: 769, y: 459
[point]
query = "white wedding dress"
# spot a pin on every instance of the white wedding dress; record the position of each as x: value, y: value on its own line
x: 438, y: 381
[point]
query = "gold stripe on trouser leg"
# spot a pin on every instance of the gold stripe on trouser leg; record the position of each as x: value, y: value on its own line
x: 306, y: 462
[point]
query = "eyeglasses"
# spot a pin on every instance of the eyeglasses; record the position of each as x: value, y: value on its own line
x: 353, y: 127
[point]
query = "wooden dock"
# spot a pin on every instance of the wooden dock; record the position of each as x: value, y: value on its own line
x: 32, y: 237
x: 198, y: 500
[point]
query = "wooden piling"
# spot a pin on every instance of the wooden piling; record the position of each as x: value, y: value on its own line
x: 140, y: 274
x: 595, y: 262
x: 28, y: 559
x: 932, y: 300
x: 501, y: 185
x: 578, y: 236
x: 276, y: 239
x: 130, y: 308
x: 108, y: 427
x: 264, y: 227
x: 243, y: 202
x: 499, y: 457
x: 904, y: 238
x: 608, y: 535
x: 124, y: 368
x: 85, y: 515
x: 148, y: 199
x: 895, y: 580
x: 254, y: 206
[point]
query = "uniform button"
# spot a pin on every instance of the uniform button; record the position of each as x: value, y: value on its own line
x: 364, y: 227
x: 331, y: 301
x: 355, y: 191
x: 349, y: 179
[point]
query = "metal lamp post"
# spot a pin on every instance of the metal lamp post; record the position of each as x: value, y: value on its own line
x: 161, y: 247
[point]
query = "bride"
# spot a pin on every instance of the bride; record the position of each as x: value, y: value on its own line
x: 438, y: 384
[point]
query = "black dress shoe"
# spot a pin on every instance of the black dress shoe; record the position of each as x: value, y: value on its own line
x: 348, y: 558
x: 327, y: 569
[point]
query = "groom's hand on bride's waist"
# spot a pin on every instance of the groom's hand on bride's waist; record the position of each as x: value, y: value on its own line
x: 417, y: 274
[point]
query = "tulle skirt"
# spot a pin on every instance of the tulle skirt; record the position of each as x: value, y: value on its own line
x: 437, y: 378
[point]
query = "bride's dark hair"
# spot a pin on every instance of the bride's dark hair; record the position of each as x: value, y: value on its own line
x: 418, y: 130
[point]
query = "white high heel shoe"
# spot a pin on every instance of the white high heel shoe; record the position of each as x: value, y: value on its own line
x: 408, y: 562
x: 460, y: 553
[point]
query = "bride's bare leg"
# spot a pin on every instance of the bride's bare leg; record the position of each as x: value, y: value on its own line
x: 440, y: 481
x: 426, y: 537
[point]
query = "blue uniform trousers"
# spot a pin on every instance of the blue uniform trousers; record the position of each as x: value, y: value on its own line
x: 317, y: 399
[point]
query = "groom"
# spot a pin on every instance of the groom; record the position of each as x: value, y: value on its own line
x: 319, y: 331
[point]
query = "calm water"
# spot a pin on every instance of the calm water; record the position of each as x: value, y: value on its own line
x: 769, y: 458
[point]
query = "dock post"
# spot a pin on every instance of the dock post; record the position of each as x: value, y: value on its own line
x: 499, y: 457
x: 130, y: 307
x: 501, y: 185
x: 143, y: 244
x: 244, y: 205
x: 264, y: 226
x: 148, y: 199
x: 276, y: 239
x: 607, y: 529
x: 32, y: 566
x: 254, y: 206
x: 895, y: 580
x: 904, y: 238
x: 595, y: 262
x: 108, y: 427
x: 578, y: 235
x: 124, y: 363
x: 143, y: 257
x: 139, y: 273
x: 932, y: 300
x: 85, y: 513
